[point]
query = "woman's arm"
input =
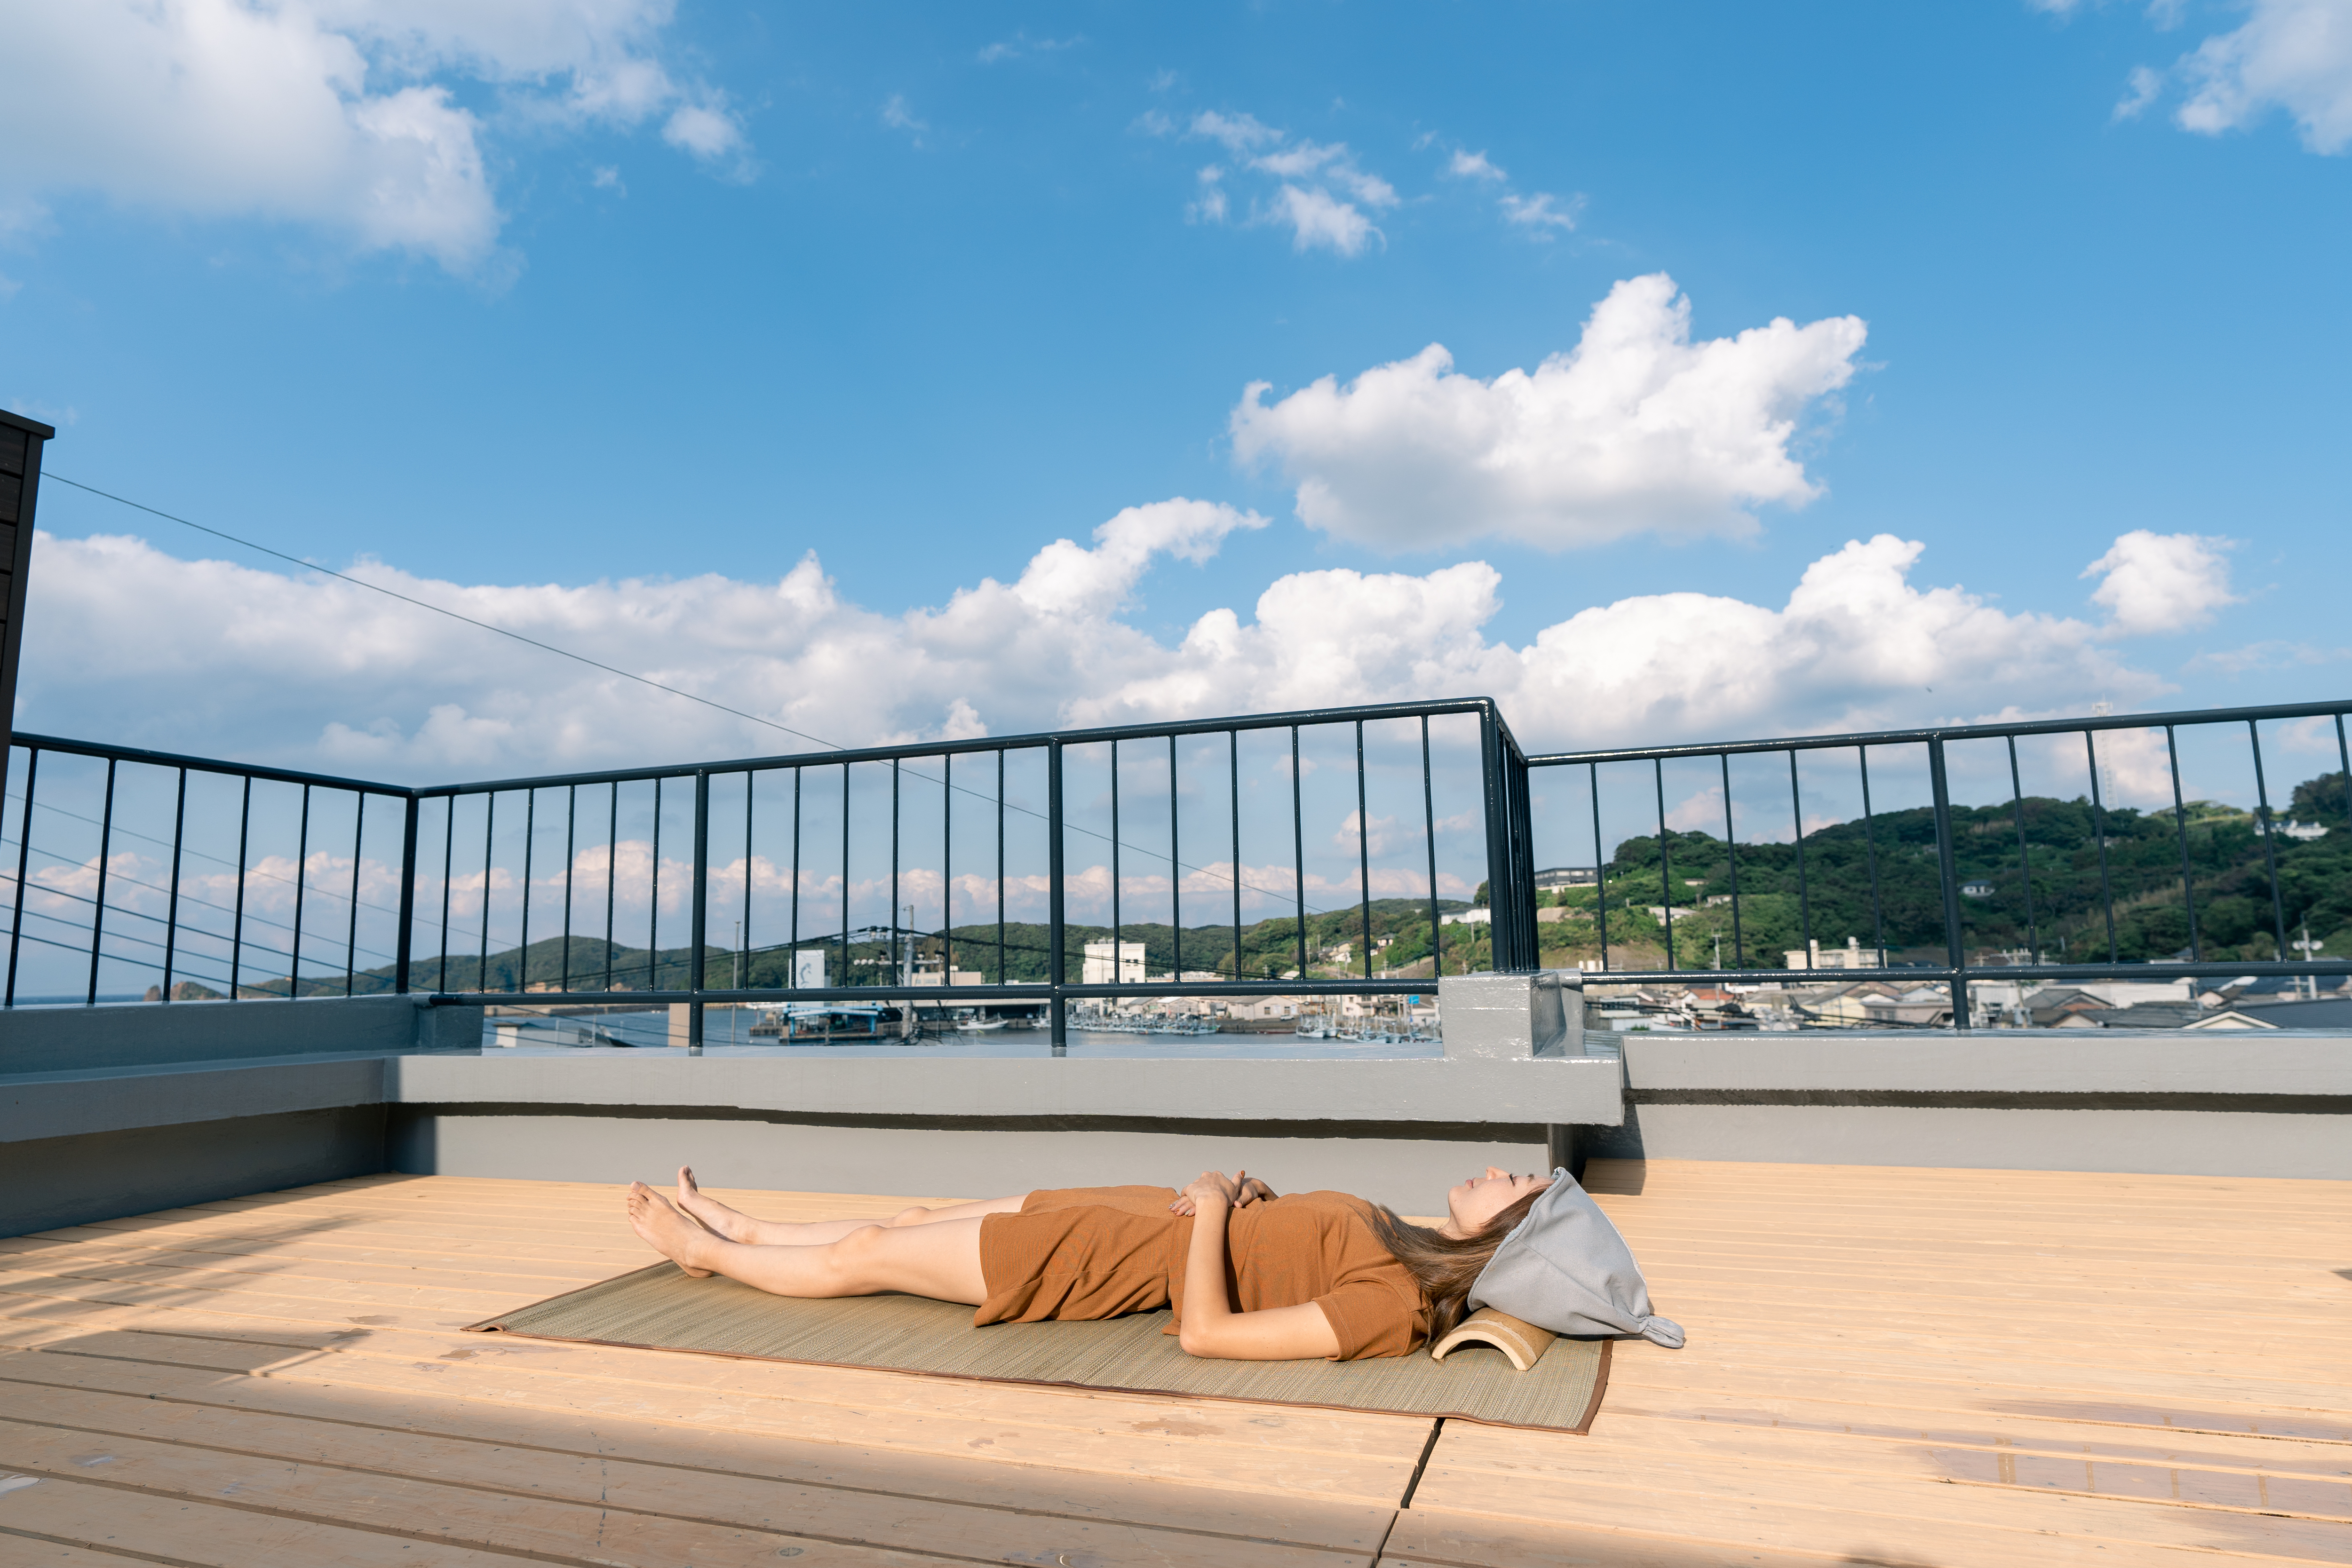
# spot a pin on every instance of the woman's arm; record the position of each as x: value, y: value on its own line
x: 1210, y: 1327
x: 1248, y: 1189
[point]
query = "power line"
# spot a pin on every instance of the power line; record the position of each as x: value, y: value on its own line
x: 598, y: 664
x: 439, y: 610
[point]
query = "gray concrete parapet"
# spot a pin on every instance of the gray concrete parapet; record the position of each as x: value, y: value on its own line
x: 155, y: 1034
x: 1490, y: 1018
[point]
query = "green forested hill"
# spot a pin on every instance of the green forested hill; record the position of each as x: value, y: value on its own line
x: 1269, y: 950
x: 1823, y: 883
x: 2045, y: 893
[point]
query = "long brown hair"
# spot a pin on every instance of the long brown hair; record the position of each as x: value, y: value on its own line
x: 1445, y: 1267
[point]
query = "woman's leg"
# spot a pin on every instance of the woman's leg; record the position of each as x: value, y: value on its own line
x: 737, y: 1226
x: 940, y: 1259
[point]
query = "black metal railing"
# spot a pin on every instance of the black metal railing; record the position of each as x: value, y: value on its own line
x: 195, y: 918
x: 2100, y: 880
x: 472, y: 903
x: 1316, y: 854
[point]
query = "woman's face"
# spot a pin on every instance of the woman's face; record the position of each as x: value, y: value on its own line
x: 1473, y: 1205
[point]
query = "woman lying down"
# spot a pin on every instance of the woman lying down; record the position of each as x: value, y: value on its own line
x: 1251, y: 1276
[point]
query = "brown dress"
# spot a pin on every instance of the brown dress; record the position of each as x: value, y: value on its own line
x: 1102, y: 1252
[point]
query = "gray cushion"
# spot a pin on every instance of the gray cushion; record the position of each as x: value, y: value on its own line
x: 1565, y: 1267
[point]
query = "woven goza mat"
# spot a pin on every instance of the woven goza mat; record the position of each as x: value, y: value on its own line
x: 661, y: 1309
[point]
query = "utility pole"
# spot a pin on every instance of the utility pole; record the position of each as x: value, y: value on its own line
x: 906, y: 975
x: 2307, y: 985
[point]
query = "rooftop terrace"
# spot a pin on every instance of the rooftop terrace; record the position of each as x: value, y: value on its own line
x: 1887, y: 1365
x: 2040, y: 1296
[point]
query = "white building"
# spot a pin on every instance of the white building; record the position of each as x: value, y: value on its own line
x: 1856, y: 957
x: 1112, y: 964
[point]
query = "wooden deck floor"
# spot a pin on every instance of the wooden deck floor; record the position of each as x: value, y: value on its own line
x: 1885, y: 1366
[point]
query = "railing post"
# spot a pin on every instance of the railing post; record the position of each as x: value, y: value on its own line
x: 701, y: 897
x: 171, y: 910
x: 23, y: 860
x: 1955, y: 948
x: 97, y: 904
x: 1523, y: 855
x: 1498, y: 844
x: 1056, y: 1012
x: 401, y: 949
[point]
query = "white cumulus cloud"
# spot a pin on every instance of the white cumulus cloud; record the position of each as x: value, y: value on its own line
x: 1318, y: 192
x: 1318, y: 218
x: 1539, y: 214
x: 2154, y: 583
x: 2294, y: 55
x: 2288, y: 54
x: 334, y: 114
x: 133, y: 645
x: 1637, y: 429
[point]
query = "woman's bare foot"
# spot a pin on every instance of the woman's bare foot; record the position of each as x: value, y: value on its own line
x: 712, y: 1214
x: 666, y: 1230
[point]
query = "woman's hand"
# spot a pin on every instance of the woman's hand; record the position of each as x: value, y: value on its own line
x: 1210, y: 1326
x: 1214, y: 1184
x: 1239, y: 1191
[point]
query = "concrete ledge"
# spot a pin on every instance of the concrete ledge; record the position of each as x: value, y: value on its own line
x: 2199, y: 1105
x: 2001, y: 1061
x: 1408, y: 1175
x: 110, y: 1100
x: 2179, y: 1142
x: 1558, y: 1089
x: 78, y: 1039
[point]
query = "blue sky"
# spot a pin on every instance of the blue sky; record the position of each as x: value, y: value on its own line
x: 924, y: 290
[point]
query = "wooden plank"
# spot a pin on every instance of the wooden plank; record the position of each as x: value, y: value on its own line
x: 2186, y: 1361
x: 1943, y: 1378
x: 277, y: 1264
x: 519, y: 1260
x: 1426, y: 1538
x: 69, y: 1295
x: 1273, y: 1451
x: 53, y: 1555
x: 974, y: 1477
x: 2324, y: 1492
x: 1849, y: 1519
x: 1869, y: 1315
x: 227, y: 1283
x: 2160, y: 1408
x: 1338, y: 1453
x: 20, y: 1549
x: 180, y: 1531
x: 606, y: 1483
x: 1772, y: 1502
x: 402, y: 1512
x: 512, y: 1250
x: 2077, y: 1439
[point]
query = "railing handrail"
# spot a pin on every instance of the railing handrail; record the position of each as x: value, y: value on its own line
x: 105, y: 752
x: 1944, y: 733
x: 1026, y: 741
